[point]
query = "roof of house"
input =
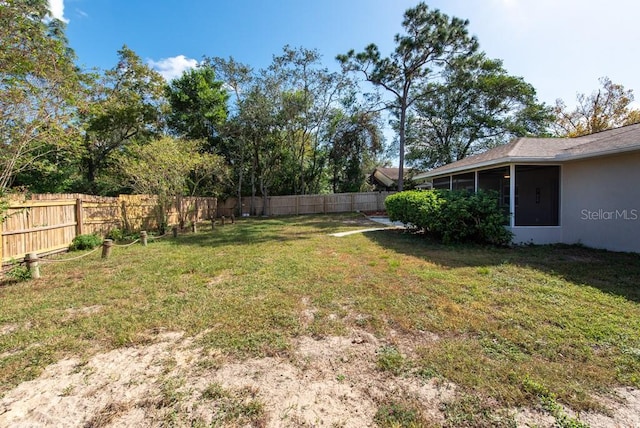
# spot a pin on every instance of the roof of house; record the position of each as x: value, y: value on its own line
x: 619, y: 140
x: 393, y: 173
x: 389, y: 176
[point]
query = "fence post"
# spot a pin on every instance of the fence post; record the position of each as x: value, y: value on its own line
x: 106, y: 248
x: 143, y: 237
x: 174, y: 229
x: 196, y: 208
x: 32, y: 264
x: 79, y: 217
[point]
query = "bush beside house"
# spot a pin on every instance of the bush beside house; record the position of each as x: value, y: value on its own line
x: 452, y: 216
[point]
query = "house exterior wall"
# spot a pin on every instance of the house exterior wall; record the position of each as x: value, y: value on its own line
x: 600, y: 202
x: 539, y: 235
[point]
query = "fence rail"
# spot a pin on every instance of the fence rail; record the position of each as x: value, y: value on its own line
x: 47, y: 223
x: 305, y: 204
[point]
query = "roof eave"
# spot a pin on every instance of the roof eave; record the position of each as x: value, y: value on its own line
x: 483, y: 165
x: 514, y: 159
x: 384, y: 178
x: 612, y: 152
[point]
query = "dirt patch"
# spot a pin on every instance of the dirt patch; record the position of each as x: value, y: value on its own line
x: 624, y: 410
x: 333, y: 381
x: 358, y: 221
x: 8, y: 328
x: 72, y: 313
x: 224, y: 276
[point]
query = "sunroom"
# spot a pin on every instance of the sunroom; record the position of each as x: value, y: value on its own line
x: 530, y: 192
x: 560, y: 190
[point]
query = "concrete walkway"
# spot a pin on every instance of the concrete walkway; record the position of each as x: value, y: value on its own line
x: 386, y: 221
x: 383, y: 220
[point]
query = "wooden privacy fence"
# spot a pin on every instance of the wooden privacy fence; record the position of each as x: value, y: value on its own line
x: 47, y: 223
x: 305, y: 204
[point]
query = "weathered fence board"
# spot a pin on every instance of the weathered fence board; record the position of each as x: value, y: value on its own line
x: 47, y: 223
x: 305, y: 204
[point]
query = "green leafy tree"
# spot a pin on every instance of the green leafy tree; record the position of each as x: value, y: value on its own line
x: 237, y: 77
x: 38, y: 89
x: 356, y: 142
x: 476, y: 105
x: 198, y: 105
x: 431, y: 40
x: 608, y: 107
x: 169, y: 168
x: 253, y: 140
x: 126, y: 106
x: 277, y: 136
x: 258, y: 120
x: 306, y: 94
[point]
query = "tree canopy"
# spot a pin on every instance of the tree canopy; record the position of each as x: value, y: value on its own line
x: 293, y: 127
x: 606, y: 108
x: 198, y: 104
x: 476, y: 105
x: 431, y: 40
x: 38, y: 90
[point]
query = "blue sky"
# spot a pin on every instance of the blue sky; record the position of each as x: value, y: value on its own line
x: 561, y: 47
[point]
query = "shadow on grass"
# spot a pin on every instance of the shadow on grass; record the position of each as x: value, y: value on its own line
x: 611, y: 272
x: 258, y: 230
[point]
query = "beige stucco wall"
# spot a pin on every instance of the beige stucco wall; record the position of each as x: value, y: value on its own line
x: 600, y: 202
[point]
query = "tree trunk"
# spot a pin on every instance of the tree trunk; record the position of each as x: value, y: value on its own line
x: 263, y: 190
x: 240, y: 176
x: 401, y: 132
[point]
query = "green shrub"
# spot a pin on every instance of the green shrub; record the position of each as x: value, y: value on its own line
x: 452, y: 216
x: 116, y: 234
x: 18, y: 273
x: 473, y: 217
x: 85, y: 242
x: 413, y: 207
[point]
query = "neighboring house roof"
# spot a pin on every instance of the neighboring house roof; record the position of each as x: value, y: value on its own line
x: 389, y: 176
x: 613, y: 141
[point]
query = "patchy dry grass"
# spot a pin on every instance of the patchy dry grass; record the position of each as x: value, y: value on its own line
x: 492, y: 321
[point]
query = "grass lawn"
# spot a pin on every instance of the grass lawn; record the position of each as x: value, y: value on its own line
x: 513, y: 327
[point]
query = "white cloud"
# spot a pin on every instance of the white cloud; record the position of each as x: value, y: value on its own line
x: 173, y: 67
x: 56, y: 7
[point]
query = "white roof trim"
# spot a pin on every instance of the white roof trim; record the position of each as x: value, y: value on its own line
x: 611, y: 152
x: 508, y: 160
x: 494, y: 163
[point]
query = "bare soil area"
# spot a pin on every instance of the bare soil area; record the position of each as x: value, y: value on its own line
x: 331, y: 382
